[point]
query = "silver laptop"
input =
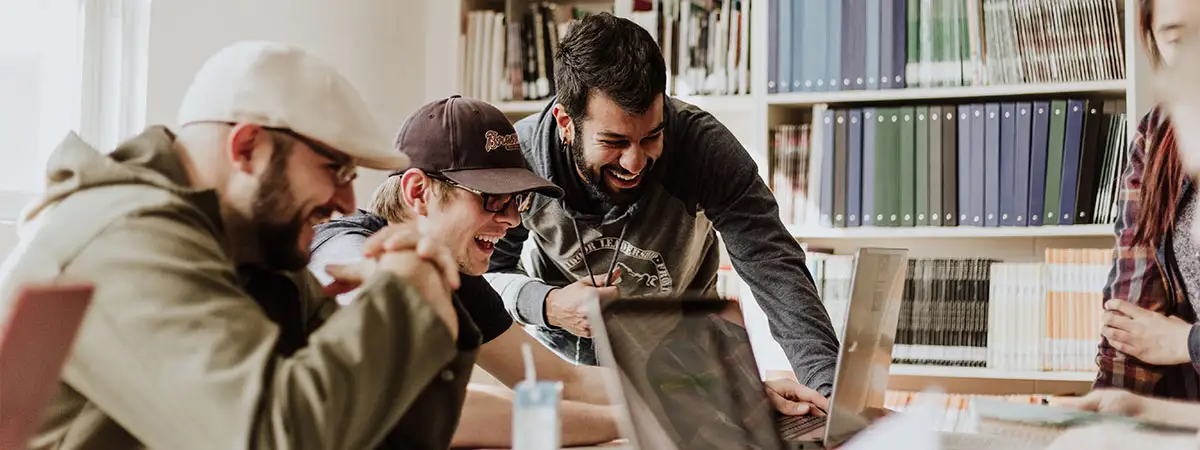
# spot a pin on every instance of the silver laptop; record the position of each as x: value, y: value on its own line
x: 689, y: 379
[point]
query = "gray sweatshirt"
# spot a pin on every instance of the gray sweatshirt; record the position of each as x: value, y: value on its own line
x: 665, y: 243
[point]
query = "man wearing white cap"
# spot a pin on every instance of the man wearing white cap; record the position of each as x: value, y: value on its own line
x: 205, y: 330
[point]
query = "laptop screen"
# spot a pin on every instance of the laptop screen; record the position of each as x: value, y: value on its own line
x: 36, y: 336
x: 689, y: 374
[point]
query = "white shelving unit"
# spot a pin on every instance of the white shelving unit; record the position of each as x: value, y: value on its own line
x: 806, y: 232
x: 521, y: 108
x: 751, y: 117
x: 989, y: 374
x: 972, y: 92
x: 988, y: 381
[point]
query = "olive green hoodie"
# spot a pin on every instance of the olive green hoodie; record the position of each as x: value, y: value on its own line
x: 182, y: 350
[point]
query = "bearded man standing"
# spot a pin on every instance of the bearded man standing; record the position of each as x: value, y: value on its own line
x: 649, y: 181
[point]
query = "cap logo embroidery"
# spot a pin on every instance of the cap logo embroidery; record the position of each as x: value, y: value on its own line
x: 495, y: 141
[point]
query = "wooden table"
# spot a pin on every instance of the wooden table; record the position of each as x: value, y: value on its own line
x: 619, y: 444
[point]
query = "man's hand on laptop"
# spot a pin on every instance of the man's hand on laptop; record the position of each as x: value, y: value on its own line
x: 795, y: 399
x: 566, y: 307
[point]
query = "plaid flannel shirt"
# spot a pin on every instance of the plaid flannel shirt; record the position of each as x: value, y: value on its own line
x: 1147, y: 277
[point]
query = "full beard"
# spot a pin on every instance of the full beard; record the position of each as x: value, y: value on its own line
x: 594, y: 178
x: 278, y: 241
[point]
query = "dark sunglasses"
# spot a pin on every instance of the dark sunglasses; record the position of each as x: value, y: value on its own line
x: 493, y: 203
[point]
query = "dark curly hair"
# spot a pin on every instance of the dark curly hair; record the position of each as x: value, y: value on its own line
x: 610, y: 55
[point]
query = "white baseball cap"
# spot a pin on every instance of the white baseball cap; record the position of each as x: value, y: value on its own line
x: 281, y: 86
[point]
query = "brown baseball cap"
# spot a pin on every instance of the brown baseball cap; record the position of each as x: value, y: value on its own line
x: 473, y: 144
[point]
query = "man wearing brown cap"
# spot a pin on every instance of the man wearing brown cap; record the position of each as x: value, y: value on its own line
x: 467, y: 185
x: 204, y: 331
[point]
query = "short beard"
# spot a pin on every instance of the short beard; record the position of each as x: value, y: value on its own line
x: 278, y: 240
x: 594, y: 179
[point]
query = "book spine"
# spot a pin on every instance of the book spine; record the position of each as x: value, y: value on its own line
x: 869, y: 123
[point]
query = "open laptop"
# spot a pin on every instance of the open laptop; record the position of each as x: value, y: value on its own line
x: 690, y: 381
x: 36, y: 337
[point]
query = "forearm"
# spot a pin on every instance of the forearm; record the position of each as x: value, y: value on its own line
x: 798, y: 320
x: 487, y: 419
x: 524, y: 296
x: 1173, y: 412
x: 588, y: 385
x: 772, y: 263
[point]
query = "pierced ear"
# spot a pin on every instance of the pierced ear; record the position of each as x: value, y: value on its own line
x: 566, y: 126
x: 243, y: 139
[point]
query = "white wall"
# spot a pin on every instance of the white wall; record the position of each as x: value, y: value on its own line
x: 378, y: 44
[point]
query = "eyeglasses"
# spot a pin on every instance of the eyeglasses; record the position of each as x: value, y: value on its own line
x: 494, y: 203
x: 344, y: 170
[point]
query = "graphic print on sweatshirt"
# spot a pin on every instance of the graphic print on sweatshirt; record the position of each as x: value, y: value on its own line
x: 643, y: 272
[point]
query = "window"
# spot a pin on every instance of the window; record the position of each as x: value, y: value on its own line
x: 66, y: 65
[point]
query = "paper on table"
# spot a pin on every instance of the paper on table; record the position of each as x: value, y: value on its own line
x: 1049, y: 416
x: 916, y: 428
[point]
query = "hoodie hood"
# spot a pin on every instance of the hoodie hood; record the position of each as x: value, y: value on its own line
x: 149, y: 158
x: 363, y: 223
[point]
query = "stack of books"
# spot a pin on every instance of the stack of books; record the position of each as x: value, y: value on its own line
x: 705, y: 43
x: 507, y: 59
x: 1043, y: 316
x: 1048, y: 316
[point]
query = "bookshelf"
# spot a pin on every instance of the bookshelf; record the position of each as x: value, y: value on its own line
x: 989, y: 374
x: 753, y: 115
x: 808, y: 99
x: 520, y: 108
x: 1090, y: 230
x: 971, y: 380
x: 721, y: 103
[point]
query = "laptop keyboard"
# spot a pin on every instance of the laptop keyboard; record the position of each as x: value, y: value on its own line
x: 792, y: 427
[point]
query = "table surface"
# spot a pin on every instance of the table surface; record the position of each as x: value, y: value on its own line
x: 619, y: 444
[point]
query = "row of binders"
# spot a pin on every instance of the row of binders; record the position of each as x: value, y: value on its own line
x: 841, y: 45
x: 1052, y: 162
x: 1042, y: 316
